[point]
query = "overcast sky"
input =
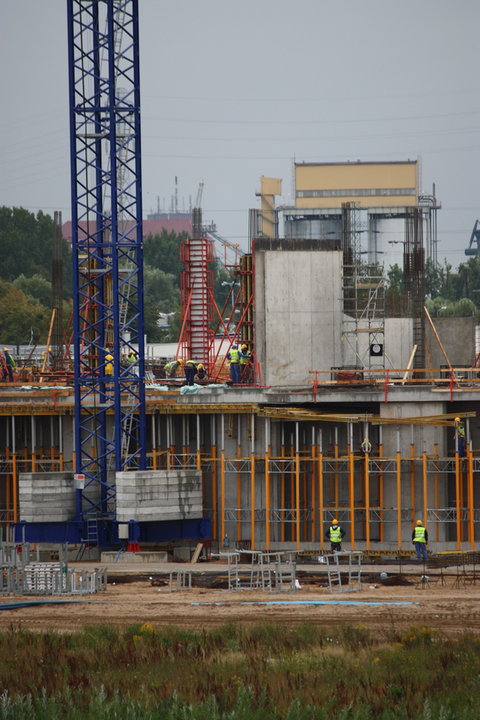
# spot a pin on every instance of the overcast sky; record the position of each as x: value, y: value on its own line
x: 235, y: 90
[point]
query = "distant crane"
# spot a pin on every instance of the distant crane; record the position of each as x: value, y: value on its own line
x: 198, y: 199
x: 474, y: 238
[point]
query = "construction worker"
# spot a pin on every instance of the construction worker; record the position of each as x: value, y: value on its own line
x: 132, y: 359
x: 201, y: 372
x: 420, y: 540
x: 172, y: 367
x: 234, y: 356
x: 9, y: 363
x: 335, y: 535
x: 108, y: 363
x: 246, y: 359
x: 47, y: 358
x: 190, y: 370
x: 3, y: 367
x: 460, y: 436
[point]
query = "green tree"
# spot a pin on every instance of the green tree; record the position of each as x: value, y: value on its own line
x: 442, y: 307
x: 434, y: 279
x: 394, y: 300
x: 161, y: 295
x: 21, y: 319
x: 35, y: 288
x: 26, y: 242
x: 160, y: 289
x: 163, y: 252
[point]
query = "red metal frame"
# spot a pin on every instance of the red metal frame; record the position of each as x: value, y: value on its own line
x: 196, y: 282
x: 202, y: 320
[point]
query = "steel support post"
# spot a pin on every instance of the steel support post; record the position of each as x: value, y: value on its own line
x: 107, y: 246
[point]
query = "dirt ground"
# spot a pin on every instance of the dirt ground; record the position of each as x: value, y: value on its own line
x: 448, y: 602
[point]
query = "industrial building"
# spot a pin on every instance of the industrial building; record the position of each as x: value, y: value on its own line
x: 347, y: 412
x: 384, y: 197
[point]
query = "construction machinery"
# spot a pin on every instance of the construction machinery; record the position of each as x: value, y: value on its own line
x: 474, y: 244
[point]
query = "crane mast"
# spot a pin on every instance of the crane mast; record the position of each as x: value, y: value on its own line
x: 107, y: 248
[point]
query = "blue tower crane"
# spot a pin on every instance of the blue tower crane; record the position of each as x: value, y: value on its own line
x: 107, y: 253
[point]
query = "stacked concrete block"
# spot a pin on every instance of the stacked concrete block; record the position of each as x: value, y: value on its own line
x: 46, y: 497
x: 159, y: 495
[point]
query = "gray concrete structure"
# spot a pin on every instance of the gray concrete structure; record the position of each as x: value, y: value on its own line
x: 457, y: 335
x: 46, y: 497
x: 298, y: 310
x: 159, y: 495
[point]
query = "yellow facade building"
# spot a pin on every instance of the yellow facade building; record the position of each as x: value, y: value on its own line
x: 368, y: 184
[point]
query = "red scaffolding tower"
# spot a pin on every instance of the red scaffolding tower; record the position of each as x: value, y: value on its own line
x: 208, y: 331
x: 196, y: 287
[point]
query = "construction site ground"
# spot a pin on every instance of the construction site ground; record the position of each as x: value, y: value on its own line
x: 411, y: 594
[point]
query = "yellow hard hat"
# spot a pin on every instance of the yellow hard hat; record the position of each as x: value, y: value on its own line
x: 457, y: 419
x: 334, y: 521
x: 419, y: 522
x: 200, y: 366
x: 6, y: 349
x: 244, y: 347
x: 180, y: 360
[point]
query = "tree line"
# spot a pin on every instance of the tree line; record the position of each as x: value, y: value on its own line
x: 26, y: 248
x: 447, y: 292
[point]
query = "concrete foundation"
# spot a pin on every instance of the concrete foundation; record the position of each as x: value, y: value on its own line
x: 134, y: 557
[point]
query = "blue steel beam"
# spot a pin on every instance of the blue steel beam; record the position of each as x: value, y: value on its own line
x: 106, y: 245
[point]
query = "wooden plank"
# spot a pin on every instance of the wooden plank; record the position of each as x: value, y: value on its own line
x: 409, y: 364
x: 45, y: 357
x: 196, y: 553
x: 434, y: 329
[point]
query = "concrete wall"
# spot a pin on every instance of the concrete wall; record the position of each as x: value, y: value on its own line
x: 298, y: 313
x: 457, y: 335
x: 398, y: 341
x: 158, y: 495
x: 46, y: 497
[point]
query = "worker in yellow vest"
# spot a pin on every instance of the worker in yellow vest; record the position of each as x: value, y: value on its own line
x: 234, y: 357
x: 201, y: 372
x: 335, y: 534
x: 190, y: 370
x: 108, y: 362
x: 420, y: 540
x: 460, y: 433
x: 172, y: 367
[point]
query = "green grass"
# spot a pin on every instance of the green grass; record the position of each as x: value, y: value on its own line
x: 266, y: 672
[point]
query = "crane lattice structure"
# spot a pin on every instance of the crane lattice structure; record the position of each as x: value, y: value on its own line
x: 106, y: 247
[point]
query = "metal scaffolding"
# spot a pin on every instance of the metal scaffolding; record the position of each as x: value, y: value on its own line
x: 106, y: 245
x: 196, y: 287
x: 286, y: 494
x: 363, y: 328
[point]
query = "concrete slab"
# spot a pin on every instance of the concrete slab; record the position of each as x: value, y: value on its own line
x: 134, y: 557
